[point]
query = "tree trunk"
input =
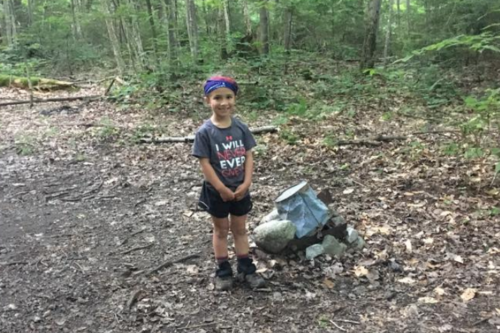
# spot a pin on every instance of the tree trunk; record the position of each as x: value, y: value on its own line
x: 10, y: 22
x: 135, y: 35
x: 228, y: 24
x: 221, y: 34
x: 399, y: 12
x: 113, y: 38
x: 408, y: 15
x: 77, y: 29
x: 264, y: 27
x: 153, y: 31
x: 30, y: 12
x: 192, y: 27
x: 172, y: 42
x: 371, y: 29
x: 248, y: 22
x: 288, y: 29
x: 388, y: 32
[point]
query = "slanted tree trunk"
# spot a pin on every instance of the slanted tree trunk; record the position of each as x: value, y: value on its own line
x: 371, y: 28
x: 388, y: 32
x: 113, y: 38
x: 264, y: 27
x: 287, y: 38
x: 192, y: 27
x: 248, y: 22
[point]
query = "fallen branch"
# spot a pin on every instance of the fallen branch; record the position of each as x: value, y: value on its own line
x: 172, y: 262
x: 48, y: 100
x: 137, y: 248
x: 190, y: 138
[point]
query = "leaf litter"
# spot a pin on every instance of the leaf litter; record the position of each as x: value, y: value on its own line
x: 76, y: 191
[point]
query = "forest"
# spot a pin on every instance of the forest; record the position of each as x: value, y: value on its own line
x: 389, y: 109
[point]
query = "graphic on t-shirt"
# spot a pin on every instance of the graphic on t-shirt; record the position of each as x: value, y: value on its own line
x: 231, y: 157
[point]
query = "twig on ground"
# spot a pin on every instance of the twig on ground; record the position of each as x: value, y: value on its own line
x: 137, y: 248
x: 339, y: 327
x: 196, y: 326
x: 133, y: 298
x: 132, y: 235
x: 171, y: 262
x: 348, y: 321
x: 13, y: 263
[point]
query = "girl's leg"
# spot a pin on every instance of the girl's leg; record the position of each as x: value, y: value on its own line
x: 239, y: 230
x: 219, y: 240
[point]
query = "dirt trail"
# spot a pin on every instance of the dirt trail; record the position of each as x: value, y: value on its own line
x: 85, y: 214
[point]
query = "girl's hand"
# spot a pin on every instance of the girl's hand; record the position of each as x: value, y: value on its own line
x: 226, y: 194
x: 240, y: 192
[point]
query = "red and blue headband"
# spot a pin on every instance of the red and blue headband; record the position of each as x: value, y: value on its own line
x: 216, y: 82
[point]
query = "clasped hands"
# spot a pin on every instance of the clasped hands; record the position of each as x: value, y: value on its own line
x: 228, y: 195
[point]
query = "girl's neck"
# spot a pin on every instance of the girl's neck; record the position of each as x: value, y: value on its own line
x: 222, y: 122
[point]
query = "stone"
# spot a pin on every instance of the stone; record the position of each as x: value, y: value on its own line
x: 274, y: 236
x: 333, y: 247
x: 272, y: 216
x: 314, y: 250
x: 360, y: 243
x: 352, y: 235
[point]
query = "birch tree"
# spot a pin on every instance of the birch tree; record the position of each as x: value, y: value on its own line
x: 388, y: 32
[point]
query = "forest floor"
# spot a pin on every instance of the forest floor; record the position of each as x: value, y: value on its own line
x: 87, y: 216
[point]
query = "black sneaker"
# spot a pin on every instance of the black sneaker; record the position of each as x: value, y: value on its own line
x: 247, y: 273
x: 224, y: 277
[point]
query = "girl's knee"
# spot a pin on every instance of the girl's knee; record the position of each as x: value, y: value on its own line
x: 221, y: 229
x: 238, y: 230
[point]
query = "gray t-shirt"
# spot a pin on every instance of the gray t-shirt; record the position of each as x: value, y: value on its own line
x: 225, y: 148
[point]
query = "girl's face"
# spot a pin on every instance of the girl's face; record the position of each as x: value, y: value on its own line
x: 221, y: 102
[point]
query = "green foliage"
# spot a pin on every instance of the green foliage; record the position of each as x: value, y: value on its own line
x: 25, y: 145
x: 289, y: 136
x: 107, y: 131
x: 486, y: 112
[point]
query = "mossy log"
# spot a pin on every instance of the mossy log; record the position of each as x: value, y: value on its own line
x: 36, y: 82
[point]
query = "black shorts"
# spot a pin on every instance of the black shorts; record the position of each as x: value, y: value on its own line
x: 211, y: 202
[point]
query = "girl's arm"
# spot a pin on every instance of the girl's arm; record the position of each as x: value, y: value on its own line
x: 213, y: 179
x: 243, y: 188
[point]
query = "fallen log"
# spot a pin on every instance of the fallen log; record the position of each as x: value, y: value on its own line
x: 36, y: 82
x: 190, y: 138
x: 48, y: 100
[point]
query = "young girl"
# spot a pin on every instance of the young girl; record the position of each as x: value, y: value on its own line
x: 223, y: 146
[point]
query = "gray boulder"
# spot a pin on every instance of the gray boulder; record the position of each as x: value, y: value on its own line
x: 274, y: 236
